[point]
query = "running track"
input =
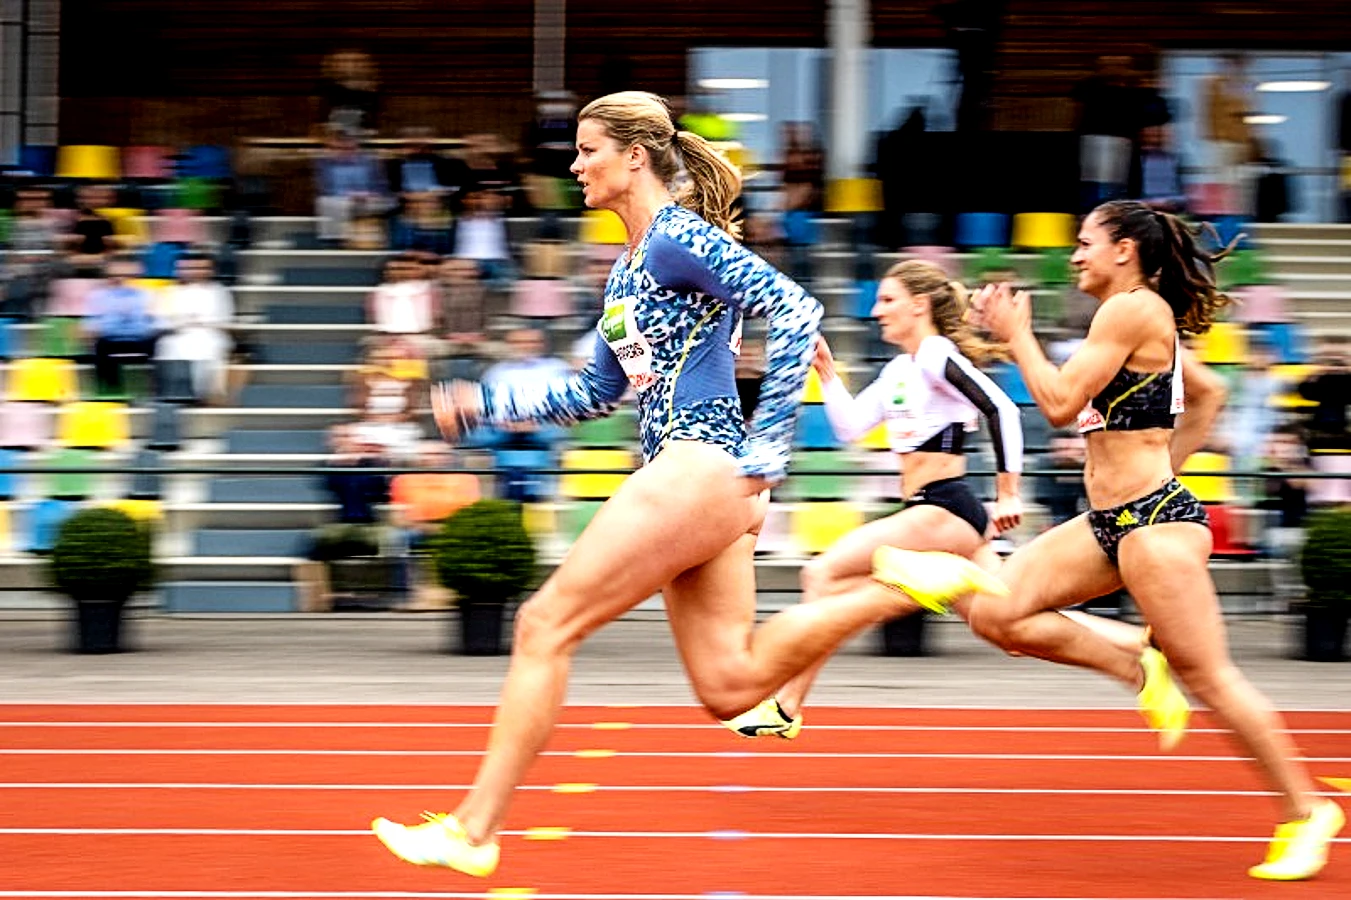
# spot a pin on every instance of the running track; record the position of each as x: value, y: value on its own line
x: 245, y: 802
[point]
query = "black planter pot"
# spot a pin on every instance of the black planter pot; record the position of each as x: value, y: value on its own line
x: 481, y: 628
x: 905, y: 636
x: 1325, y: 633
x: 98, y: 626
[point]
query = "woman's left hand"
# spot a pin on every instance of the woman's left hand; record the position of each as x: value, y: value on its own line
x: 1002, y: 312
x: 1008, y: 513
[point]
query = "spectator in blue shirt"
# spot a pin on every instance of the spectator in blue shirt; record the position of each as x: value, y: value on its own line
x: 120, y: 324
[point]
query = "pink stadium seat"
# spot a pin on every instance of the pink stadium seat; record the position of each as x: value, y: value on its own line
x: 151, y: 163
x: 26, y: 425
x: 70, y: 296
x: 1261, y: 303
x: 178, y: 226
x: 541, y: 298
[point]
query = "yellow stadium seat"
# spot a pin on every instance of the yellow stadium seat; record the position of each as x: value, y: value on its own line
x: 875, y: 439
x: 1291, y: 375
x: 95, y: 425
x: 853, y: 195
x: 601, y: 226
x: 593, y: 485
x: 811, y: 393
x: 817, y: 525
x: 1208, y: 488
x: 1043, y: 231
x: 540, y: 520
x: 1226, y: 343
x: 40, y: 378
x: 128, y: 224
x: 6, y: 529
x: 88, y: 161
x: 140, y: 510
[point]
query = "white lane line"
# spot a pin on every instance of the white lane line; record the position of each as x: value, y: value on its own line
x: 627, y: 788
x: 490, y: 705
x: 489, y: 895
x: 640, y: 754
x: 638, y: 726
x: 717, y: 835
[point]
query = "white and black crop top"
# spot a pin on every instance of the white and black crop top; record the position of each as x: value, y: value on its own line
x: 928, y: 402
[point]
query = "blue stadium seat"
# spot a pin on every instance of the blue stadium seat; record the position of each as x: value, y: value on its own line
x: 982, y: 229
x: 813, y: 429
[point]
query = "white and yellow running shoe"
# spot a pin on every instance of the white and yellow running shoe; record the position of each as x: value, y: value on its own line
x: 933, y: 579
x: 766, y: 719
x: 439, y: 841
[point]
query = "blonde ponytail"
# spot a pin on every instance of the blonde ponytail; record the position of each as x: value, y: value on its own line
x: 714, y: 183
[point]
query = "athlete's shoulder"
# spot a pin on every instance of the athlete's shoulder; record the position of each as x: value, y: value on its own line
x: 934, y: 351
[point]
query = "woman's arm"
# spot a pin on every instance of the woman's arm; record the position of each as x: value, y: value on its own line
x: 850, y: 417
x: 1062, y: 392
x: 1204, y: 393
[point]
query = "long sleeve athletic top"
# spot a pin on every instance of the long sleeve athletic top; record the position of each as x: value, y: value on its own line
x: 671, y: 329
x: 928, y: 401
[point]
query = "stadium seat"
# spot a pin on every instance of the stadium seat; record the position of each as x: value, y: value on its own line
x: 1331, y: 491
x: 1243, y: 268
x: 207, y: 161
x: 600, y: 226
x: 541, y: 298
x: 1053, y: 268
x: 165, y: 430
x: 1208, y: 488
x: 1226, y: 343
x: 576, y: 485
x: 1229, y: 531
x: 9, y: 481
x: 619, y: 429
x: 6, y: 529
x: 576, y: 515
x: 26, y: 426
x: 1261, y: 304
x: 88, y: 161
x: 853, y: 195
x: 776, y: 533
x: 62, y: 337
x: 200, y: 194
x: 865, y: 298
x: 70, y: 296
x: 540, y: 521
x: 148, y: 485
x: 178, y: 226
x: 147, y: 163
x: 817, y: 525
x: 160, y: 260
x: 38, y: 160
x: 982, y: 229
x: 11, y: 339
x: 173, y: 381
x: 43, y: 521
x: 1010, y: 381
x: 128, y: 224
x: 39, y: 378
x: 71, y: 485
x: 943, y: 257
x: 1043, y: 230
x: 1287, y: 341
x: 136, y: 509
x: 93, y: 425
x: 806, y: 480
x: 813, y: 431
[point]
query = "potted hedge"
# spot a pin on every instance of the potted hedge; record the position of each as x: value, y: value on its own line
x: 1325, y: 564
x: 100, y: 560
x: 483, y: 553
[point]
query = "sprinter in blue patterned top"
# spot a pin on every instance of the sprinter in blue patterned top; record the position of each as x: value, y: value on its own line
x: 685, y: 524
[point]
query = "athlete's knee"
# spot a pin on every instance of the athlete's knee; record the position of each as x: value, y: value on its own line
x: 817, y: 579
x: 724, y: 694
x: 992, y: 623
x: 1215, y: 686
x: 541, y: 629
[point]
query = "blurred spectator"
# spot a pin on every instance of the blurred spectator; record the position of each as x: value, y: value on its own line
x: 349, y: 90
x: 1330, y: 388
x: 405, y: 301
x: 1226, y: 103
x: 196, y: 315
x: 120, y: 324
x: 422, y: 223
x: 803, y: 179
x: 1285, y: 502
x: 463, y: 306
x: 1063, y: 495
x: 1154, y: 109
x: 32, y: 259
x: 552, y: 136
x: 760, y: 232
x: 421, y: 170
x: 1250, y: 415
x: 973, y: 28
x: 480, y: 234
x: 1157, y: 175
x: 350, y: 185
x: 1344, y: 143
x: 89, y: 240
x: 1109, y: 120
x: 419, y: 503
x: 900, y: 155
x: 526, y: 363
x: 750, y: 373
x: 356, y: 493
x: 487, y: 165
x: 1272, y: 194
x: 35, y: 227
x: 385, y: 393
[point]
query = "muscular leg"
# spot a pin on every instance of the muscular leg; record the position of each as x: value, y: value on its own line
x: 1059, y: 568
x: 679, y: 511
x: 1165, y: 569
x: 843, y: 571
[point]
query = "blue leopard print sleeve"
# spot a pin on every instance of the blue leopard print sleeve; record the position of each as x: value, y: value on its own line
x: 690, y: 255
x: 670, y: 330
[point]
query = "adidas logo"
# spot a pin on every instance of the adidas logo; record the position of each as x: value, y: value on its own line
x: 1126, y: 519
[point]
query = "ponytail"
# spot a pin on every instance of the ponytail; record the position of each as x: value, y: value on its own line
x: 949, y: 303
x: 714, y: 183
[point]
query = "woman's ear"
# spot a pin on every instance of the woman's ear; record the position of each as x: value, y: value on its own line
x: 637, y: 156
x: 1126, y: 250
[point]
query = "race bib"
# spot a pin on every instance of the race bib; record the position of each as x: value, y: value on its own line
x: 1090, y: 420
x: 902, y: 424
x: 619, y: 328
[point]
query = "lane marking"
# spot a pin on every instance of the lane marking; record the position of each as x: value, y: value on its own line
x: 633, y: 754
x: 585, y: 788
x: 669, y: 835
x: 639, y: 726
x: 493, y: 893
x: 547, y: 833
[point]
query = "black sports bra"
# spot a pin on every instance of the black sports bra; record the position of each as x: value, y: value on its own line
x: 1133, y: 401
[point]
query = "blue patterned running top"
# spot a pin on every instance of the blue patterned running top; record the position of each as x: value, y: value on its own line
x: 671, y: 330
